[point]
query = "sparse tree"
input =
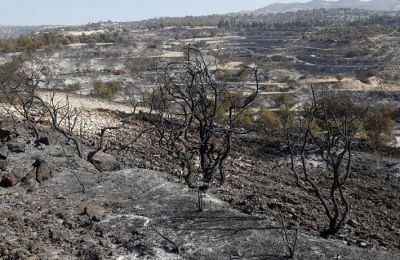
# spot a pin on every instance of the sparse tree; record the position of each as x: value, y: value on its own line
x: 187, y: 119
x: 328, y: 127
x: 63, y: 117
x: 290, y: 236
x: 380, y: 125
x: 19, y: 82
x: 288, y: 119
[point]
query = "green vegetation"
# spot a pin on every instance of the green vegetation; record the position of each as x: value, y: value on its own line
x: 380, y: 125
x: 246, y: 119
x: 269, y: 119
x: 281, y: 100
x: 107, y: 90
x: 54, y: 40
x: 339, y: 77
x: 357, y: 52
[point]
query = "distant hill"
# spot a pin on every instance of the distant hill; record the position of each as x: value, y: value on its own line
x: 13, y: 31
x: 374, y: 5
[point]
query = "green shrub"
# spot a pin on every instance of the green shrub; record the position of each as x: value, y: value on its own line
x: 107, y: 90
x: 269, y: 119
x: 363, y: 78
x: 373, y: 72
x: 339, y: 77
x: 246, y: 118
x: 281, y: 99
x: 357, y: 52
x: 380, y: 126
x: 225, y: 75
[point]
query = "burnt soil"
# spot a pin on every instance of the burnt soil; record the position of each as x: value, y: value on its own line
x: 132, y: 207
x: 260, y: 183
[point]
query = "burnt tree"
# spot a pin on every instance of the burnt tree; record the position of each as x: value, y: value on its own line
x: 195, y: 116
x: 329, y: 125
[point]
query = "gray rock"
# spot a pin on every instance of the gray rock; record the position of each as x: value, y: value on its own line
x: 29, y: 182
x: 105, y: 162
x: 12, y: 178
x: 44, y: 170
x: 94, y: 211
x: 353, y: 223
x: 3, y: 165
x: 3, y: 153
x: 44, y: 140
x: 16, y: 147
x: 147, y: 165
x: 5, y: 134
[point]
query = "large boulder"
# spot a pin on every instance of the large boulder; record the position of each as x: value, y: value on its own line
x: 105, y: 162
x: 43, y: 169
x: 12, y: 178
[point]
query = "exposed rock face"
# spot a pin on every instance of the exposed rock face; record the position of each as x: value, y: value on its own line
x: 44, y: 170
x: 105, y: 162
x: 12, y: 178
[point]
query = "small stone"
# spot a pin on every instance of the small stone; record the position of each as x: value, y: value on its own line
x: 147, y: 165
x: 353, y: 223
x: 55, y: 235
x: 3, y: 153
x: 16, y: 147
x: 3, y: 165
x: 103, y: 242
x: 94, y: 211
x: 5, y: 134
x: 68, y: 224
